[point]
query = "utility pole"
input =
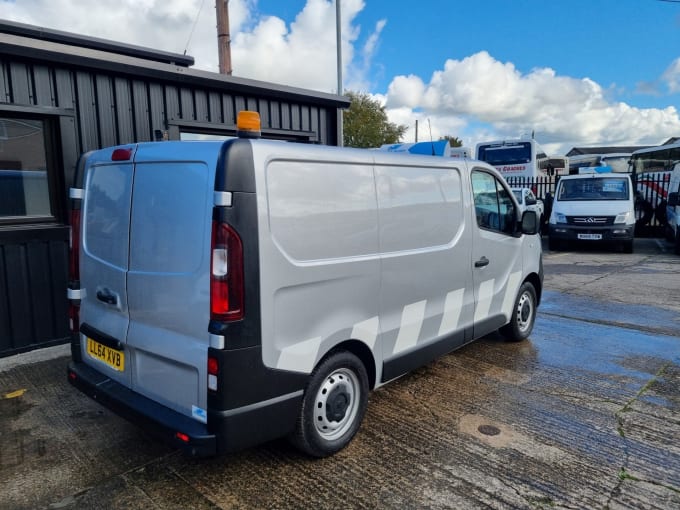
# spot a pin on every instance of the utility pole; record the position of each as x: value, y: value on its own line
x: 223, y: 36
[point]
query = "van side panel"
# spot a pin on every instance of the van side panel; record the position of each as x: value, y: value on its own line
x: 104, y: 257
x: 320, y: 270
x: 168, y: 281
x: 426, y: 289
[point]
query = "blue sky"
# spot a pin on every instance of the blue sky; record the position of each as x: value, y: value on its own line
x: 597, y: 72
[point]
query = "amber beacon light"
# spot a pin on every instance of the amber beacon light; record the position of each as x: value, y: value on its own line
x: 248, y: 124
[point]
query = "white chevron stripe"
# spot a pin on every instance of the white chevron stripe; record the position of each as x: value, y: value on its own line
x: 452, y: 308
x: 300, y: 356
x: 411, y: 322
x: 511, y: 293
x: 366, y: 331
x: 484, y: 297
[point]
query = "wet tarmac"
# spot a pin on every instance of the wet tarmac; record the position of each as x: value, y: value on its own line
x: 585, y: 414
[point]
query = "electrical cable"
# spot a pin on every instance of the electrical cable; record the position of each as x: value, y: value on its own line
x: 193, y: 27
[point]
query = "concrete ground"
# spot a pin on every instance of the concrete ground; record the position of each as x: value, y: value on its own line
x: 584, y: 414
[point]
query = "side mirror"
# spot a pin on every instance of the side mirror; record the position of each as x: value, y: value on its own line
x: 530, y: 200
x: 673, y: 199
x: 529, y: 223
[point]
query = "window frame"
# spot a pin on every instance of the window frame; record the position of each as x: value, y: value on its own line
x: 55, y: 177
x: 509, y: 230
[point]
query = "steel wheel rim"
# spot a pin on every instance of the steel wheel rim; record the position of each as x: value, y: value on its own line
x: 340, y: 382
x: 525, y: 311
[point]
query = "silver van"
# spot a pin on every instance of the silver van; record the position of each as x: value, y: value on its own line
x: 226, y: 293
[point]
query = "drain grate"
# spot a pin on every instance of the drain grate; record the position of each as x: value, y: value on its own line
x: 489, y: 430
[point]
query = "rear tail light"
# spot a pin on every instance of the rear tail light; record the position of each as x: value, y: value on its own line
x: 74, y: 268
x: 213, y: 369
x: 226, y: 278
x: 182, y: 437
x: 74, y: 246
x: 74, y: 318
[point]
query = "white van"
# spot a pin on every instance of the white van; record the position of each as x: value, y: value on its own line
x: 673, y: 208
x: 593, y: 207
x: 227, y: 293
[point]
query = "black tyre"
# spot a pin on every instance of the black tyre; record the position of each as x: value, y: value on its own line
x: 333, y: 406
x: 523, y: 314
x: 553, y: 244
x: 628, y: 246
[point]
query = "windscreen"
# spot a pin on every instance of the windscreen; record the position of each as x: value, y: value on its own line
x: 596, y: 188
x: 496, y: 154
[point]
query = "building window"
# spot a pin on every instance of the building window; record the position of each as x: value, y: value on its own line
x: 24, y: 170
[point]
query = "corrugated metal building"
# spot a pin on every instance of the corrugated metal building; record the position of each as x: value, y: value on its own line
x: 61, y: 95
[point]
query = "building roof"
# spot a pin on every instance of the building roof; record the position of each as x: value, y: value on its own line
x: 46, y: 34
x: 36, y: 43
x: 576, y: 151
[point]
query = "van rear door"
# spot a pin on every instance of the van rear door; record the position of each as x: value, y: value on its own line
x: 169, y: 277
x: 104, y: 312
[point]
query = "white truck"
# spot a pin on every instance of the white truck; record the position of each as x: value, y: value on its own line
x: 225, y: 293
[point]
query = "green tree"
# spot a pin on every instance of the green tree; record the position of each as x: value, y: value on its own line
x: 365, y: 123
x: 454, y: 141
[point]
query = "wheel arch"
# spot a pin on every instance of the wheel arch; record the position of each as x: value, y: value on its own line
x: 535, y: 280
x: 361, y: 351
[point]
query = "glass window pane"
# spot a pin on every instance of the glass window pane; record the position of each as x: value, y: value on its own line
x: 24, y: 189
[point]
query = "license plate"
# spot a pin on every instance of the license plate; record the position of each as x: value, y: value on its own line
x: 590, y: 237
x: 113, y: 358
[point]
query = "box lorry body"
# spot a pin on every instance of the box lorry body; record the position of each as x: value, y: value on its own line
x: 227, y: 293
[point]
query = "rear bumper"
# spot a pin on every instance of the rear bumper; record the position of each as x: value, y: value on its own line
x: 153, y: 417
x: 227, y: 430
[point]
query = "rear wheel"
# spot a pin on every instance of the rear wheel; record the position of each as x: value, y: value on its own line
x: 333, y: 406
x: 523, y: 314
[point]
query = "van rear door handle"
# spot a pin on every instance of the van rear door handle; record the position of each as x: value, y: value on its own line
x: 106, y: 296
x: 482, y: 262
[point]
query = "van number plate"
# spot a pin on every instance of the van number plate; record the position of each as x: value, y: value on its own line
x: 114, y: 359
x: 590, y: 237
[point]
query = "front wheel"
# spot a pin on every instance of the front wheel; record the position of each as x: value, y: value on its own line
x: 333, y: 406
x: 523, y: 314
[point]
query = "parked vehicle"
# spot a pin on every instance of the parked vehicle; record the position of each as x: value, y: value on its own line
x: 651, y: 172
x: 514, y: 158
x: 225, y: 293
x: 673, y: 208
x: 596, y: 207
x: 617, y: 162
x: 528, y: 202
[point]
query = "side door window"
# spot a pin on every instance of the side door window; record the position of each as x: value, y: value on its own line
x: 493, y: 206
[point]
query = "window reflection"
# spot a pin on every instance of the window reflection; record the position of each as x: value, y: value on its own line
x: 24, y: 190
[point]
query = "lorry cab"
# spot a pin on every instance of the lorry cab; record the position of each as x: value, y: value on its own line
x: 225, y: 293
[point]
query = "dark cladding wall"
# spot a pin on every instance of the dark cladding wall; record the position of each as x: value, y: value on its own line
x: 90, y: 108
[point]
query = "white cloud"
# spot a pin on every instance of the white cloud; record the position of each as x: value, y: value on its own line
x: 563, y: 111
x: 672, y: 76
